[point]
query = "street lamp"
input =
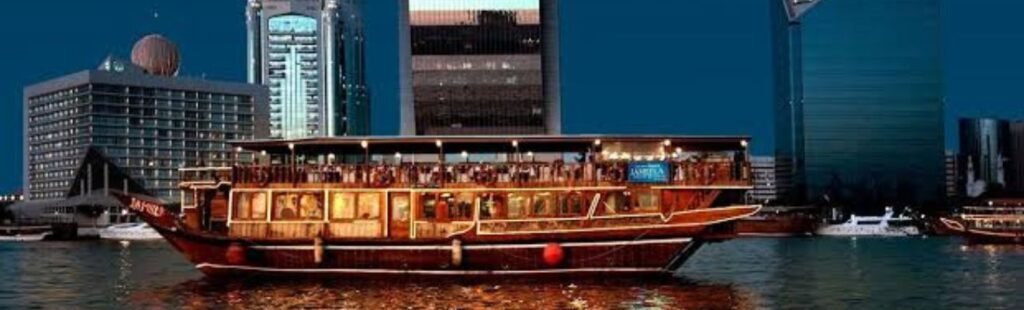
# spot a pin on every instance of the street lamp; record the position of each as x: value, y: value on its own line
x: 366, y: 151
x: 291, y: 148
x: 515, y: 145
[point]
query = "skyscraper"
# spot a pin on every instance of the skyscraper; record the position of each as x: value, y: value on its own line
x: 872, y: 101
x: 310, y: 54
x: 141, y: 116
x: 479, y: 67
x: 983, y: 144
x: 787, y: 63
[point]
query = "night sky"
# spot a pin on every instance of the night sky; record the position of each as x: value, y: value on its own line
x: 652, y: 66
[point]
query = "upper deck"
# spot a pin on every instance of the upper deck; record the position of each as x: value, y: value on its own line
x: 487, y: 162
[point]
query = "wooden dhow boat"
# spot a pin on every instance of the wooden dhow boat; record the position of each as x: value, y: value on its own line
x: 997, y: 221
x: 458, y: 206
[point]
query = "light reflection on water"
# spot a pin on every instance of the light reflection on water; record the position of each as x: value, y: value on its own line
x: 519, y: 294
x: 741, y: 274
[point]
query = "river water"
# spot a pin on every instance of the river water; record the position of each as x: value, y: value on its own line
x: 804, y: 273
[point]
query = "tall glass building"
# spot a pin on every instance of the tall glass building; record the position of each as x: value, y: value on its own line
x: 873, y: 102
x: 787, y: 64
x: 310, y: 54
x: 479, y: 67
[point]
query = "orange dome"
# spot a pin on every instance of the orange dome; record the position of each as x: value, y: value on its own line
x: 156, y: 55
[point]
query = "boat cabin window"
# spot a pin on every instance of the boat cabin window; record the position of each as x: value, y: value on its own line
x: 613, y: 203
x: 517, y: 204
x: 250, y: 206
x: 447, y: 206
x: 460, y: 206
x: 298, y: 206
x: 543, y: 205
x: 428, y: 209
x: 492, y: 206
x: 368, y: 205
x: 343, y: 206
x: 400, y: 207
x: 647, y: 200
x: 571, y: 204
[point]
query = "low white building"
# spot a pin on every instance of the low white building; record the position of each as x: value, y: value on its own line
x: 765, y: 186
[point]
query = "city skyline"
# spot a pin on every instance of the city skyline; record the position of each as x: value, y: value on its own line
x: 219, y: 52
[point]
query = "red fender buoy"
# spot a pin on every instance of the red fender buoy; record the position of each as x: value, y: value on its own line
x: 235, y: 254
x: 553, y: 254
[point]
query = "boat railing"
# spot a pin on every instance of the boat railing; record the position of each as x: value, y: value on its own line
x: 473, y: 175
x: 210, y: 175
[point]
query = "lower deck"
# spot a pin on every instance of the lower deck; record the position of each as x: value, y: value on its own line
x: 441, y: 214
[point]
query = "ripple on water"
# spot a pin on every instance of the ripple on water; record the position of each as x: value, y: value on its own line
x: 822, y: 273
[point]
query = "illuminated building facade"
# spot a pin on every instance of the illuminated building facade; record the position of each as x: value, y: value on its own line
x: 479, y: 67
x: 310, y: 54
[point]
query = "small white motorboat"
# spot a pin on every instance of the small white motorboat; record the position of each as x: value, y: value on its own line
x: 130, y: 232
x: 886, y: 225
x: 24, y: 233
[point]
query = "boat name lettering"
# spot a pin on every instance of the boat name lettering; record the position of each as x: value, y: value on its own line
x: 146, y: 207
x: 648, y: 172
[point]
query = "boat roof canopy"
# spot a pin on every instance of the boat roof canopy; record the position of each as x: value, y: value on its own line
x: 483, y: 144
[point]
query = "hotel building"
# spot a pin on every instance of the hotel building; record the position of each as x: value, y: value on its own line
x: 140, y: 116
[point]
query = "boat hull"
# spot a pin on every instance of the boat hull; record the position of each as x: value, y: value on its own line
x: 775, y: 227
x: 982, y: 236
x: 24, y: 238
x: 847, y: 231
x: 635, y: 257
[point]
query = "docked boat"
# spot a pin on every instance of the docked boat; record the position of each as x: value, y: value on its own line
x: 779, y: 222
x: 887, y: 225
x: 24, y: 233
x: 129, y: 232
x: 1001, y: 221
x: 458, y: 206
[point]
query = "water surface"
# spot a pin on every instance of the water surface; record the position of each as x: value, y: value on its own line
x: 822, y: 273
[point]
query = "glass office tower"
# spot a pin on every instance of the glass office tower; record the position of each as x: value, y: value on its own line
x: 788, y: 97
x: 479, y: 67
x: 873, y: 105
x: 310, y: 54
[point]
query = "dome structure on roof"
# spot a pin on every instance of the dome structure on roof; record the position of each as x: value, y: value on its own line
x: 156, y: 55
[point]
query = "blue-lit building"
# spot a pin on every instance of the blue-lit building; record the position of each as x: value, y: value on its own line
x: 787, y: 61
x: 310, y: 54
x: 872, y: 105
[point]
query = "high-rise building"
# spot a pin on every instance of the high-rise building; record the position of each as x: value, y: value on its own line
x: 954, y: 176
x: 1014, y: 167
x: 765, y: 184
x: 479, y: 67
x: 787, y: 60
x: 140, y: 116
x: 310, y: 53
x: 872, y: 102
x: 983, y: 144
